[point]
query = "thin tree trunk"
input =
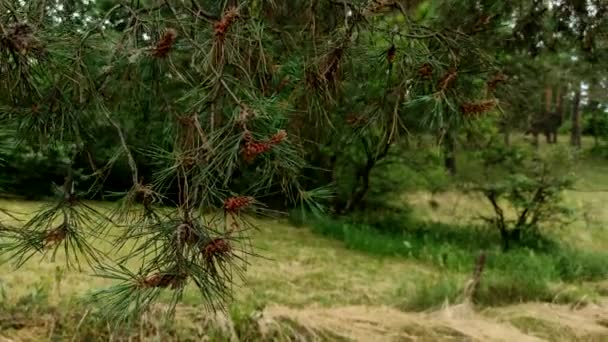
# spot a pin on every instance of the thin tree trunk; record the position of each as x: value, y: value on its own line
x: 595, y: 106
x: 575, y: 137
x: 449, y: 151
x: 559, y: 104
x: 505, y: 128
x: 559, y: 108
x: 595, y: 119
x: 548, y: 100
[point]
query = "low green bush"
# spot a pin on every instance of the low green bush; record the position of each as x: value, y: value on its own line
x: 525, y: 189
x: 499, y: 288
x: 576, y: 265
x: 517, y: 275
x: 431, y: 294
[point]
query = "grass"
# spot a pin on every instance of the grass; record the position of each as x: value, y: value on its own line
x: 518, y: 275
x: 309, y: 274
x: 443, y: 232
x: 293, y: 261
x: 298, y: 269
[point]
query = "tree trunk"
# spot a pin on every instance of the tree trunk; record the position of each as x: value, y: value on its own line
x: 504, y: 237
x: 595, y: 107
x: 559, y: 104
x: 362, y: 187
x: 548, y: 100
x: 595, y: 119
x: 505, y: 128
x: 575, y: 137
x: 559, y: 109
x: 449, y: 152
x: 360, y: 190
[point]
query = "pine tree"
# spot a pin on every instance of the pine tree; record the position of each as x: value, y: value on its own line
x: 67, y: 74
x: 216, y: 106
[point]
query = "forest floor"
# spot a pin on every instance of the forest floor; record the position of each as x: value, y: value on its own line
x: 326, y: 292
x: 308, y: 287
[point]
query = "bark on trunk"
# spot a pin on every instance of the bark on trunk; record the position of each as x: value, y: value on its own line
x: 449, y: 151
x: 559, y: 104
x: 359, y: 192
x: 595, y: 119
x: 548, y: 100
x: 595, y: 106
x: 575, y: 137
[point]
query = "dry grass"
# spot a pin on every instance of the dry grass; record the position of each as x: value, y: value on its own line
x: 589, y: 230
x: 309, y: 288
x: 297, y: 268
x: 557, y: 323
x: 313, y: 289
x: 452, y: 323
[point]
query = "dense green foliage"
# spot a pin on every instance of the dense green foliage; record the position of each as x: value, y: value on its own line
x: 525, y: 273
x: 532, y: 186
x: 194, y: 116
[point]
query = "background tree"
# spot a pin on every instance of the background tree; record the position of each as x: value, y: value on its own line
x: 575, y: 137
x: 220, y: 106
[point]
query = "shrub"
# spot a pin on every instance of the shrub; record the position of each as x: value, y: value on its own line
x: 27, y: 172
x: 525, y: 191
x: 519, y: 274
x: 432, y: 293
x: 574, y: 265
x: 384, y: 218
x: 502, y: 289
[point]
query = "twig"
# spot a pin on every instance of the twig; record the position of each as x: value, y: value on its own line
x: 123, y: 142
x: 473, y: 284
x: 223, y: 83
x: 80, y: 324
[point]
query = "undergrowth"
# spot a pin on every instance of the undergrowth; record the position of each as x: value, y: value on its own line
x: 33, y: 315
x: 537, y: 270
x: 25, y: 317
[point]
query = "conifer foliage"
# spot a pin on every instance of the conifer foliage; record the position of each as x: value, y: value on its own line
x: 63, y: 78
x: 242, y: 93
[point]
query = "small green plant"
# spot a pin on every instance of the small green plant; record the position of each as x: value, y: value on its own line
x: 430, y: 294
x: 523, y: 273
x: 525, y: 191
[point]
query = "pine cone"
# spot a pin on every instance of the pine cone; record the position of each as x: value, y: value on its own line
x: 165, y: 43
x: 477, y: 108
x: 278, y: 137
x: 447, y: 80
x: 425, y: 70
x: 216, y: 249
x: 19, y: 37
x: 163, y: 280
x: 234, y: 204
x: 55, y: 236
x: 221, y: 27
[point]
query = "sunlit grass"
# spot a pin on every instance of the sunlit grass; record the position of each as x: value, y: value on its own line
x: 590, y: 227
x: 300, y: 269
x: 295, y: 268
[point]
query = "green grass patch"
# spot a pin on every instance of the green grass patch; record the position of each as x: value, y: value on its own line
x: 519, y: 275
x: 431, y: 293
